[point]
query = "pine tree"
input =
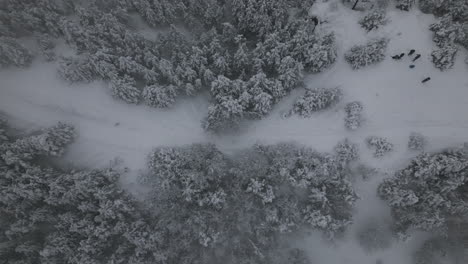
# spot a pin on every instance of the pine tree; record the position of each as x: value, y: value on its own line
x: 76, y: 69
x: 125, y: 89
x: 381, y: 146
x: 361, y: 56
x: 159, y: 96
x: 316, y: 100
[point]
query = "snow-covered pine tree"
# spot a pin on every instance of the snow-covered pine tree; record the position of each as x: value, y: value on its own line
x: 374, y: 19
x: 125, y: 89
x: 353, y: 117
x: 444, y: 58
x: 51, y: 142
x: 346, y: 151
x: 76, y: 70
x: 404, y: 5
x: 380, y: 145
x: 159, y: 96
x: 361, y: 56
x: 416, y: 141
x: 13, y: 53
x: 429, y: 191
x: 315, y: 100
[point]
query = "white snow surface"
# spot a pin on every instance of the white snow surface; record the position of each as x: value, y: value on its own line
x: 395, y: 101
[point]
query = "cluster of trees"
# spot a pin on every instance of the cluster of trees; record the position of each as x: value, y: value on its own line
x: 247, y: 54
x: 429, y: 192
x: 48, y: 215
x: 201, y: 206
x: 450, y: 31
x: 238, y: 208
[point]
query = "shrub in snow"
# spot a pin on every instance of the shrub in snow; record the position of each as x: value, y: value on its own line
x: 374, y: 236
x: 416, y: 141
x: 444, y: 57
x: 380, y: 145
x: 434, y: 251
x: 125, y: 89
x: 353, y: 117
x: 13, y: 53
x: 429, y: 191
x: 404, y: 5
x: 76, y: 70
x: 374, y: 19
x: 316, y: 100
x: 159, y: 96
x: 373, y: 52
x: 346, y: 151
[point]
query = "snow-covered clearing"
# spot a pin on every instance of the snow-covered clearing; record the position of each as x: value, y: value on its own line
x: 395, y: 104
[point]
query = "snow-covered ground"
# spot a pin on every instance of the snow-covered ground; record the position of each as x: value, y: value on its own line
x: 395, y: 101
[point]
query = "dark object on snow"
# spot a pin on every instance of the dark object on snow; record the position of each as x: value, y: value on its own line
x: 315, y: 20
x: 417, y: 57
x: 411, y: 66
x: 401, y: 55
x: 117, y: 124
x: 396, y: 57
x: 411, y: 52
x: 426, y: 80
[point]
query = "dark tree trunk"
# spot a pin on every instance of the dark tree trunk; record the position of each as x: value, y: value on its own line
x: 355, y: 3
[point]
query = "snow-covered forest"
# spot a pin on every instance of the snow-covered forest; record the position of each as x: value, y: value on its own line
x: 243, y: 131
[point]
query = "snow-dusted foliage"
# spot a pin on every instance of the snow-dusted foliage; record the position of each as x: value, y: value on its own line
x: 434, y: 251
x: 50, y: 142
x: 374, y: 19
x: 315, y: 100
x: 159, y: 96
x: 76, y: 70
x: 380, y: 145
x: 447, y: 33
x: 374, y: 236
x: 353, y: 117
x: 259, y: 45
x: 259, y: 16
x: 53, y: 216
x: 24, y: 17
x: 429, y: 191
x: 125, y: 89
x: 444, y: 57
x: 457, y: 8
x: 346, y: 151
x: 404, y: 5
x: 12, y: 53
x: 416, y: 141
x: 361, y: 56
x: 46, y: 46
x: 239, y: 206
